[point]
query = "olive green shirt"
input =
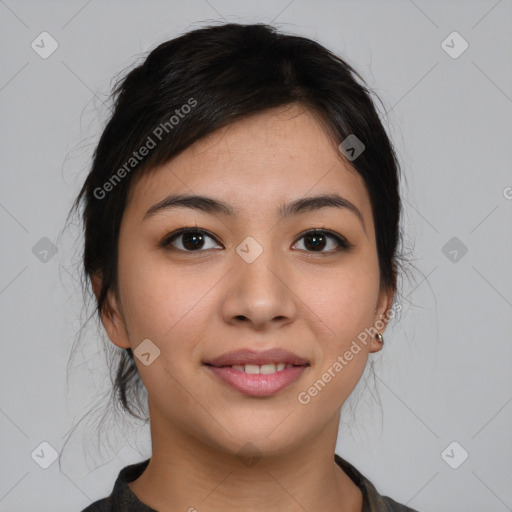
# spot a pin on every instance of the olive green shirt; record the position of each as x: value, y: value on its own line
x: 123, y: 499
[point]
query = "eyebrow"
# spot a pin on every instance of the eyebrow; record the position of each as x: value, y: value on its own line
x: 215, y: 206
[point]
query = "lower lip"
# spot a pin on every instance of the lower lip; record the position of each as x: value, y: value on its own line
x: 258, y: 384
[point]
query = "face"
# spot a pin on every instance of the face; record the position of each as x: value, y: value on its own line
x: 306, y: 282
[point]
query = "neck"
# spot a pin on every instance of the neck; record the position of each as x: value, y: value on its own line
x: 187, y: 474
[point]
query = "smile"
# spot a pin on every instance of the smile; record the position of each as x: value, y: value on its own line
x: 258, y: 380
x: 263, y: 369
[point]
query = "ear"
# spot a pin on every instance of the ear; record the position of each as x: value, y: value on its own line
x: 111, y: 316
x: 381, y: 320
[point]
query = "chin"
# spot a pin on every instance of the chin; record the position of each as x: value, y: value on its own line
x: 251, y: 437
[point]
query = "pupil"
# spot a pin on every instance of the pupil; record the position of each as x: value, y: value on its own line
x: 316, y: 243
x: 187, y: 237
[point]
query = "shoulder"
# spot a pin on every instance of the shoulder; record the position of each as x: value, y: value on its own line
x: 104, y: 505
x: 393, y: 506
x: 122, y: 498
x: 372, y: 500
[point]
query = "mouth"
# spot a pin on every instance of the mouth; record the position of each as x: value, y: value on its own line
x: 248, y: 357
x: 260, y: 369
x: 257, y: 374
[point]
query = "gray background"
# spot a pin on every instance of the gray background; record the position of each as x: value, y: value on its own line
x: 444, y: 374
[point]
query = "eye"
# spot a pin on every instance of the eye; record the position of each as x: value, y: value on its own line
x: 192, y: 239
x: 316, y: 240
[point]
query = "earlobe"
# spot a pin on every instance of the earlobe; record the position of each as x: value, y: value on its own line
x: 111, y: 316
x: 381, y: 321
x: 376, y: 344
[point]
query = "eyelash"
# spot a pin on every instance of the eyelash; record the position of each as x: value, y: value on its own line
x: 343, y: 244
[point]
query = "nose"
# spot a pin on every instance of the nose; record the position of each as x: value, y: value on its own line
x: 260, y: 293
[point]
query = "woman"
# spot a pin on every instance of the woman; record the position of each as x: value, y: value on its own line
x: 241, y: 231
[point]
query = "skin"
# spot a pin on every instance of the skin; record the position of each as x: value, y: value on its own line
x: 199, y: 304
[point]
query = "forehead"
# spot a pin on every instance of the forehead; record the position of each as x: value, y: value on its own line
x: 255, y: 163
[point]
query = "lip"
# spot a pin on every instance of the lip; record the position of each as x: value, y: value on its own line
x: 257, y: 385
x: 247, y: 356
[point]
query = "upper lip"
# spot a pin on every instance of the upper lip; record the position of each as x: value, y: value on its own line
x: 247, y: 356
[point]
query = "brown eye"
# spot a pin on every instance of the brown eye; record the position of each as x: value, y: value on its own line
x: 190, y: 240
x: 196, y: 240
x: 318, y: 240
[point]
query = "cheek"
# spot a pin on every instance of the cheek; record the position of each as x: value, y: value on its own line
x: 167, y: 306
x: 344, y: 302
x: 161, y: 301
x: 344, y: 299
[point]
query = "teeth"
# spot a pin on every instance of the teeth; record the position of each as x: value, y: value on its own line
x: 252, y: 368
x: 267, y: 368
x: 264, y: 369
